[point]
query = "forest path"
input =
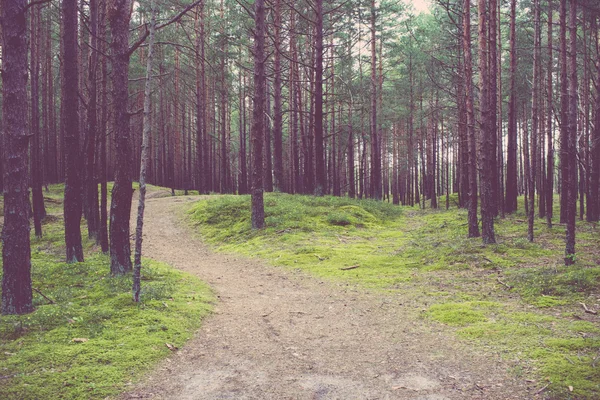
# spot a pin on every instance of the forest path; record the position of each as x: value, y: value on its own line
x: 280, y: 334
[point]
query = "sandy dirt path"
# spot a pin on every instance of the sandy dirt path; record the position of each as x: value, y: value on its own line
x: 279, y: 334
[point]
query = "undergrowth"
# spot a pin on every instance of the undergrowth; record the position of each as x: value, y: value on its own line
x: 515, y: 296
x: 86, y: 338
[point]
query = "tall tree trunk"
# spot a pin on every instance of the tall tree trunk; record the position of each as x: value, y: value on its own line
x: 375, y: 148
x: 320, y: 173
x: 511, y: 153
x: 549, y: 124
x: 16, y: 251
x: 468, y: 65
x: 486, y: 131
x: 119, y: 14
x: 91, y: 182
x: 103, y: 172
x: 258, y: 119
x: 70, y: 101
x: 39, y: 211
x: 278, y: 113
x: 594, y: 206
x: 534, y: 116
x: 145, y: 159
x: 493, y: 107
x: 564, y: 114
x: 201, y: 149
x: 572, y: 135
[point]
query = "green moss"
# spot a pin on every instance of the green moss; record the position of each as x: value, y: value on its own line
x: 39, y: 358
x: 457, y: 314
x: 514, y: 297
x: 123, y: 338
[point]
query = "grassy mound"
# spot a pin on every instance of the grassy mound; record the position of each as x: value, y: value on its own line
x: 86, y: 339
x: 514, y: 297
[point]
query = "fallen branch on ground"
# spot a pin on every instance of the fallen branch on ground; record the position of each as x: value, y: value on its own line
x: 587, y: 310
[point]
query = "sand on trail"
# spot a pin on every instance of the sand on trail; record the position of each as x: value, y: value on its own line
x: 281, y: 334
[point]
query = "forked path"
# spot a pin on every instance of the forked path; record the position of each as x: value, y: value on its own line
x: 278, y: 334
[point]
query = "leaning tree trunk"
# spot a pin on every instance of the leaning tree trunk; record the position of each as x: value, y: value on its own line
x: 16, y: 251
x: 258, y: 119
x: 70, y: 101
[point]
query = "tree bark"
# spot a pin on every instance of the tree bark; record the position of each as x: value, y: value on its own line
x: 572, y: 135
x: 16, y: 251
x: 511, y: 154
x: 119, y: 14
x: 549, y: 124
x: 468, y: 66
x: 70, y: 101
x: 375, y: 148
x: 258, y: 117
x: 278, y: 113
x: 39, y: 211
x: 145, y: 159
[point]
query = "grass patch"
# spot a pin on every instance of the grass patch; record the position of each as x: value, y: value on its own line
x: 426, y: 255
x: 120, y: 340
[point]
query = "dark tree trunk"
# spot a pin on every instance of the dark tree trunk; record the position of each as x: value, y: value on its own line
x: 119, y: 14
x: 564, y: 114
x: 375, y: 148
x: 486, y: 131
x: 594, y: 206
x: 571, y: 141
x: 70, y: 101
x: 511, y: 154
x: 534, y: 116
x: 103, y: 223
x: 16, y: 251
x: 320, y: 173
x: 493, y: 107
x: 468, y: 65
x: 549, y: 190
x: 91, y: 183
x: 278, y: 113
x: 258, y: 118
x: 39, y: 211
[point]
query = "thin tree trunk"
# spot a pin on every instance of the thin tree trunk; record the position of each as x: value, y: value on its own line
x: 534, y: 117
x: 549, y: 124
x: 468, y: 65
x: 375, y: 148
x: 258, y: 118
x: 572, y: 134
x: 278, y: 113
x: 145, y: 159
x: 511, y: 154
x: 39, y: 211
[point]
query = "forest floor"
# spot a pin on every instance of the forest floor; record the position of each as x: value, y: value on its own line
x: 278, y: 333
